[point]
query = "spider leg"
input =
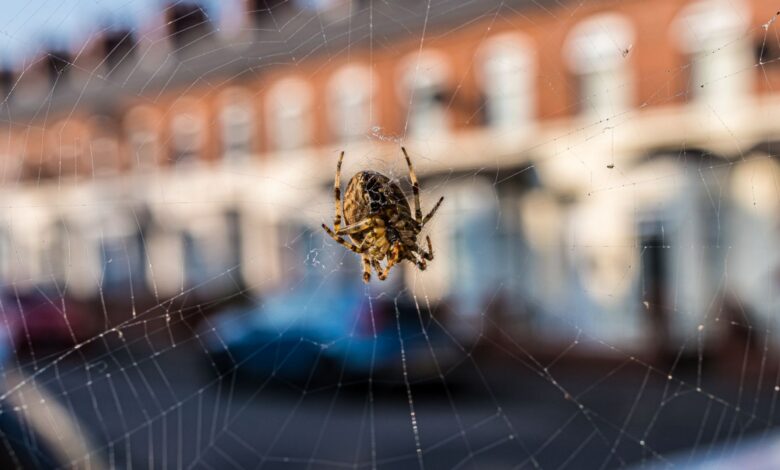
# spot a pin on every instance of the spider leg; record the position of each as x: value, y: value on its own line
x: 378, y: 268
x: 433, y: 211
x: 428, y: 254
x: 415, y: 187
x: 342, y: 242
x: 337, y: 195
x: 418, y: 260
x: 392, y: 261
x: 419, y: 257
x: 355, y: 228
x: 366, y: 269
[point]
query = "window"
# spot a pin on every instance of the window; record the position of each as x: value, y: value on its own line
x: 10, y: 158
x: 424, y: 92
x: 104, y: 146
x: 121, y: 249
x: 350, y: 93
x: 712, y: 35
x: 142, y: 137
x: 235, y: 120
x: 187, y: 131
x: 67, y: 149
x: 56, y: 251
x: 507, y: 81
x: 209, y: 252
x: 289, y: 112
x: 597, y: 51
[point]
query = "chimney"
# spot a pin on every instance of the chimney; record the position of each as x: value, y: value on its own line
x: 186, y: 23
x: 118, y: 47
x: 58, y: 62
x: 7, y: 78
x: 264, y: 11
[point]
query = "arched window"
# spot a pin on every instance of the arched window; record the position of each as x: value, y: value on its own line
x: 597, y: 52
x: 236, y: 120
x: 350, y: 94
x: 103, y: 145
x: 289, y: 114
x: 10, y: 158
x: 67, y: 148
x: 423, y: 89
x: 143, y: 138
x: 506, y: 76
x: 712, y: 35
x: 188, y: 129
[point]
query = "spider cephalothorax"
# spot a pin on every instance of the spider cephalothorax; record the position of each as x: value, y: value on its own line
x: 379, y: 221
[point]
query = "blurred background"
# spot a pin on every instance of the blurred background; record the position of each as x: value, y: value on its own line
x: 606, y: 282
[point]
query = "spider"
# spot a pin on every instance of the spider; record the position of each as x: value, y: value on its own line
x: 379, y: 221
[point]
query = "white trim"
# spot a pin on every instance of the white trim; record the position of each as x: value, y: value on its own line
x: 418, y: 74
x: 288, y: 109
x: 350, y: 93
x: 507, y: 76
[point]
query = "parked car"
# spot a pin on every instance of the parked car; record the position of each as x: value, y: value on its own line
x: 330, y: 329
x: 759, y: 452
x: 37, y: 430
x: 43, y: 319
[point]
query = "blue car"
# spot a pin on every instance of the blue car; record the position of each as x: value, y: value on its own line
x: 331, y: 327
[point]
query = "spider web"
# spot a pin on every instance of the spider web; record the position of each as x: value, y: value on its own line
x: 603, y: 293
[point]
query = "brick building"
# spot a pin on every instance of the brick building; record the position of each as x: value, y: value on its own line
x: 600, y: 160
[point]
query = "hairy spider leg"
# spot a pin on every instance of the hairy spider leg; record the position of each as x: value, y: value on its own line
x: 361, y: 226
x: 418, y: 260
x: 366, y: 268
x: 391, y: 261
x: 428, y: 254
x: 377, y: 267
x: 415, y: 187
x: 337, y: 195
x: 433, y: 211
x: 350, y: 246
x: 339, y: 212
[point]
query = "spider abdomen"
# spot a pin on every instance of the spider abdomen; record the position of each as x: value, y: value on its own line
x: 370, y: 193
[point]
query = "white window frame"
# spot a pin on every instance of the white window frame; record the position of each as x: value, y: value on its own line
x: 288, y: 107
x: 713, y: 35
x: 188, y: 128
x: 597, y: 51
x: 237, y: 125
x: 351, y: 101
x: 506, y: 76
x: 142, y: 137
x: 422, y: 76
x: 103, y: 146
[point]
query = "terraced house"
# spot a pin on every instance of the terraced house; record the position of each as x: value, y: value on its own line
x: 606, y: 164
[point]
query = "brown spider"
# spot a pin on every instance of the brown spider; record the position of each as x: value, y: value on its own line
x: 379, y: 221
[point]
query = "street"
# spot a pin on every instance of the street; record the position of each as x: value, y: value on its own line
x: 159, y: 404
